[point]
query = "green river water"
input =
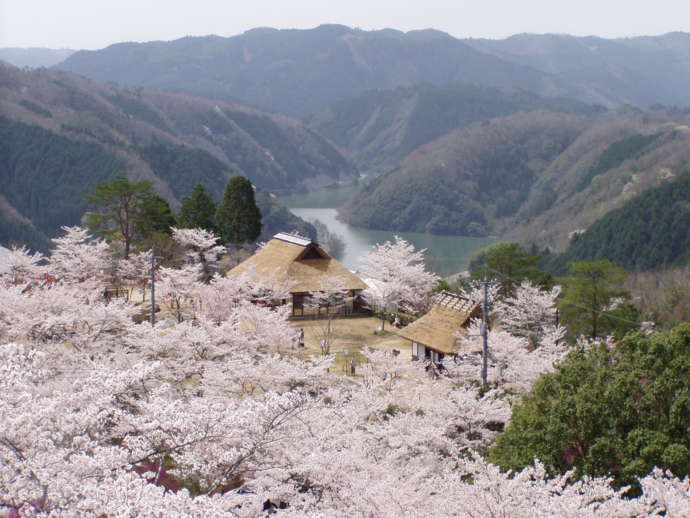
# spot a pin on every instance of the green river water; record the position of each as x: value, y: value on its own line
x: 445, y: 255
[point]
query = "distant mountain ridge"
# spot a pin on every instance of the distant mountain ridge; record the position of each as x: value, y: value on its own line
x: 300, y: 72
x: 34, y: 57
x: 642, y: 70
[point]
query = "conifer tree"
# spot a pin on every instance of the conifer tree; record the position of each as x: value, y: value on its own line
x: 238, y: 219
x: 509, y: 264
x: 590, y: 293
x: 198, y: 210
x: 121, y: 204
x: 156, y: 216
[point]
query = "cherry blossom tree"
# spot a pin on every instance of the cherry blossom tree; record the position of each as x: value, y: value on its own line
x: 79, y: 258
x: 530, y: 312
x: 216, y: 416
x: 326, y: 301
x: 397, y: 277
x: 133, y: 272
x: 22, y: 265
x: 180, y: 290
x: 201, y: 247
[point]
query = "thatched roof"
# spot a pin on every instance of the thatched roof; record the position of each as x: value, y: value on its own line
x: 300, y: 262
x: 437, y: 328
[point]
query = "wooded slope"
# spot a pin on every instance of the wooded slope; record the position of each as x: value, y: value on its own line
x: 650, y: 231
x: 379, y: 128
x: 533, y: 177
x: 62, y: 134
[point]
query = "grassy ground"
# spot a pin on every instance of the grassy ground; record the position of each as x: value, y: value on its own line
x: 350, y: 336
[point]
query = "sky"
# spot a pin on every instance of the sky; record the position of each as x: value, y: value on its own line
x: 93, y: 24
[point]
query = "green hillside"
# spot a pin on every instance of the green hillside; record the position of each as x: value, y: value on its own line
x: 61, y: 134
x: 14, y: 232
x: 650, y: 231
x: 45, y: 176
x: 381, y: 127
x: 531, y: 177
x: 183, y: 167
x: 462, y: 183
x: 273, y: 151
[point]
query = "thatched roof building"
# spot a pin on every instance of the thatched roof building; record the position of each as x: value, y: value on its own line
x: 434, y: 334
x: 304, y: 266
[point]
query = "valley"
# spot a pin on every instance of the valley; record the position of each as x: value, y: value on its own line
x: 436, y: 136
x: 344, y: 271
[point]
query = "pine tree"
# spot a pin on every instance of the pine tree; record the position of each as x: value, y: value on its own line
x: 121, y: 205
x: 156, y: 216
x: 509, y: 264
x: 198, y: 210
x: 589, y: 293
x: 238, y: 219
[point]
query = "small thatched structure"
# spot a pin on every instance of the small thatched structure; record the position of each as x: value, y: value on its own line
x: 306, y: 268
x: 434, y: 334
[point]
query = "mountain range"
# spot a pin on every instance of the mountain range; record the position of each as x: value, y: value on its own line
x: 34, y: 57
x: 531, y: 138
x: 300, y: 72
x: 641, y: 71
x: 379, y: 128
x: 62, y: 134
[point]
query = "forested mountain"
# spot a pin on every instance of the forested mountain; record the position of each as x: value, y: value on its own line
x: 62, y: 134
x: 302, y: 71
x: 462, y: 182
x: 641, y: 71
x: 650, y: 230
x: 379, y: 128
x: 34, y: 57
x: 532, y: 177
x: 43, y: 179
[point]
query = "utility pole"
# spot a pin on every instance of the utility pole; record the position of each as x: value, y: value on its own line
x: 153, y: 287
x: 485, y: 333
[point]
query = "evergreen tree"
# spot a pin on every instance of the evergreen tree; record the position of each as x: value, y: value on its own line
x: 588, y: 295
x: 649, y: 231
x: 156, y: 216
x: 122, y: 205
x: 198, y: 210
x: 238, y: 219
x: 509, y: 264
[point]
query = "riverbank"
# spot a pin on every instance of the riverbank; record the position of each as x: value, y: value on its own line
x: 446, y: 255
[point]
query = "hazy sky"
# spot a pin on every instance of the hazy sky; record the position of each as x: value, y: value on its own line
x: 98, y: 23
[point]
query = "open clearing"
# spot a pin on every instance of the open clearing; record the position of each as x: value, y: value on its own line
x: 350, y: 335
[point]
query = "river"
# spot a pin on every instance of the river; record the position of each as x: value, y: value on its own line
x: 445, y: 255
